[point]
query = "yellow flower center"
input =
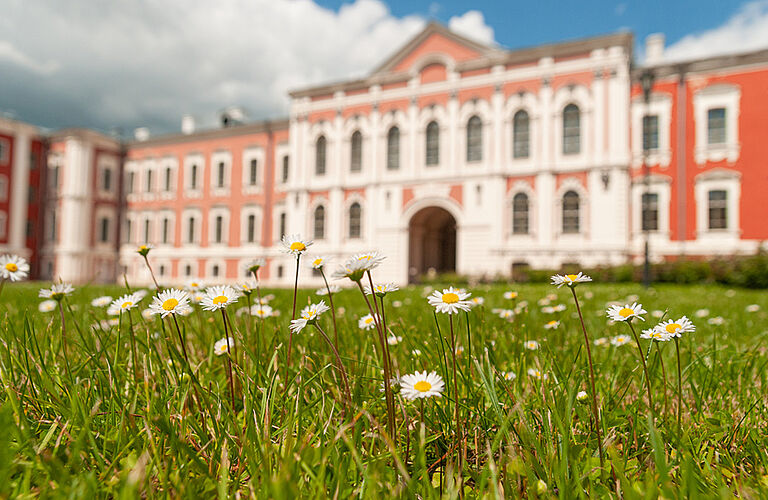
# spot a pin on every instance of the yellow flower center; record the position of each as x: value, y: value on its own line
x: 368, y: 321
x: 169, y: 304
x: 298, y: 246
x: 12, y: 267
x: 143, y: 248
x: 221, y: 299
x: 673, y: 327
x: 223, y: 348
x: 126, y: 305
x: 194, y: 284
x: 626, y: 312
x: 572, y: 277
x: 364, y: 257
x: 552, y: 322
x: 450, y: 298
x: 317, y: 262
x: 512, y: 295
x: 422, y: 386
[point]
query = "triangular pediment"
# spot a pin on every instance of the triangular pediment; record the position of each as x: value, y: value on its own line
x: 434, y: 40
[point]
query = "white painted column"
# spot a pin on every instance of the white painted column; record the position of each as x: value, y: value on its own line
x: 19, y: 195
x: 75, y: 212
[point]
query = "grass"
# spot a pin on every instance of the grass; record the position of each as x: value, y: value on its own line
x: 108, y: 428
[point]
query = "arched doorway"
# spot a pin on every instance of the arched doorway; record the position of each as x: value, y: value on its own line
x: 431, y: 243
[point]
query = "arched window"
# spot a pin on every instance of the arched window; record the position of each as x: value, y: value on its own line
x: 319, y: 223
x: 355, y: 220
x: 520, y: 214
x: 356, y: 152
x: 320, y: 156
x: 571, y: 130
x: 433, y: 143
x: 474, y: 139
x: 571, y: 212
x: 520, y: 135
x: 393, y: 149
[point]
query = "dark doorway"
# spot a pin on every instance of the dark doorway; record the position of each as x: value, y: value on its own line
x: 431, y: 243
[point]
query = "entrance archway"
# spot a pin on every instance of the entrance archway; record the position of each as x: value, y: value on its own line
x: 431, y: 243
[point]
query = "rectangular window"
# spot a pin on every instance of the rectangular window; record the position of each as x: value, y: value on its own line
x: 285, y: 169
x: 219, y: 229
x: 716, y: 126
x: 253, y: 173
x: 147, y: 228
x: 650, y: 133
x: 251, y: 231
x: 718, y: 209
x: 106, y: 179
x: 149, y: 182
x: 220, y: 175
x: 193, y: 177
x: 191, y: 230
x: 282, y: 224
x: 128, y: 230
x: 166, y: 229
x: 128, y: 184
x: 104, y: 230
x: 650, y: 211
x: 168, y: 175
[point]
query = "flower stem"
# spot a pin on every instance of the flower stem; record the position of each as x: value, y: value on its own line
x: 339, y: 367
x: 679, y: 390
x: 293, y: 316
x: 645, y: 367
x: 64, y: 339
x: 664, y: 377
x: 151, y: 273
x: 181, y: 339
x: 595, y: 411
x: 333, y: 309
x: 133, y: 348
x: 458, y: 431
x: 229, y: 361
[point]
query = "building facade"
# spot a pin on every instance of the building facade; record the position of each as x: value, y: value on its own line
x: 451, y: 156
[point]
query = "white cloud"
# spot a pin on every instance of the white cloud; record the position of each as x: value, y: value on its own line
x: 746, y: 30
x: 130, y: 63
x: 472, y: 25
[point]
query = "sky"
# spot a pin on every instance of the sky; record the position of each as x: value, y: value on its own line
x: 121, y: 64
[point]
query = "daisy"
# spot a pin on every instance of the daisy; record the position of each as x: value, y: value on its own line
x: 367, y: 322
x: 559, y: 308
x: 102, y: 301
x: 57, y: 291
x: 352, y: 269
x: 676, y: 328
x: 551, y: 325
x: 324, y: 291
x: 531, y: 345
x: 195, y: 285
x: 319, y: 262
x: 421, y: 385
x: 147, y: 313
x: 509, y: 375
x: 143, y: 250
x: 308, y: 316
x: 510, y: 295
x: 449, y: 301
x: 536, y: 373
x: 601, y: 341
x: 397, y: 303
x: 657, y: 313
x: 370, y: 259
x: 656, y: 333
x: 261, y: 311
x: 218, y: 297
x: 548, y: 310
x: 170, y: 301
x: 294, y: 245
x: 476, y: 301
x: 124, y: 303
x: 506, y: 314
x: 717, y: 320
x: 581, y: 396
x: 543, y: 302
x: 222, y: 346
x: 752, y: 308
x: 382, y: 290
x: 13, y: 267
x: 394, y: 339
x: 569, y: 279
x: 626, y: 313
x: 248, y: 287
x: 621, y: 340
x: 256, y: 264
x: 702, y: 313
x: 46, y: 306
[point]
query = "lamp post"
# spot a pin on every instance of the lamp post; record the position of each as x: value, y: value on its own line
x: 646, y: 82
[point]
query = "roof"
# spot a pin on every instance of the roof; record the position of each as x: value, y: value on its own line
x: 218, y: 133
x: 705, y: 64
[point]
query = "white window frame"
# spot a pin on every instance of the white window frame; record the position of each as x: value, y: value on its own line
x: 212, y: 214
x: 171, y: 216
x: 218, y: 157
x: 209, y: 265
x: 244, y: 214
x: 186, y: 214
x: 105, y: 213
x: 723, y: 180
x: 660, y: 104
x: 107, y: 164
x: 249, y: 154
x: 572, y: 184
x: 165, y: 164
x: 481, y: 109
x: 525, y: 188
x: 282, y: 150
x: 725, y: 96
x: 661, y: 186
x: 189, y: 160
x: 578, y: 95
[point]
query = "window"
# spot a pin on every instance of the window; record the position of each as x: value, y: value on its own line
x: 168, y: 179
x: 355, y: 221
x: 651, y: 133
x: 570, y: 212
x: 166, y: 229
x: 650, y: 211
x: 193, y: 177
x: 393, y: 149
x: 571, y: 130
x: 3, y: 224
x: 474, y: 139
x: 104, y: 230
x: 716, y: 126
x: 319, y: 223
x: 251, y: 228
x: 520, y: 135
x: 520, y: 214
x: 147, y: 230
x: 191, y: 229
x: 253, y: 172
x: 148, y: 187
x: 433, y: 143
x: 215, y: 271
x: 128, y: 229
x: 220, y: 174
x: 356, y: 152
x: 283, y: 223
x: 320, y: 156
x: 718, y: 209
x: 218, y: 229
x: 3, y: 188
x: 106, y: 179
x: 285, y: 169
x: 129, y: 183
x: 187, y: 270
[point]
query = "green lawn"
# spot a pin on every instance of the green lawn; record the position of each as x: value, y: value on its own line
x: 109, y: 427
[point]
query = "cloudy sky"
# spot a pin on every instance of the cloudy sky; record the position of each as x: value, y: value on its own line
x: 110, y: 64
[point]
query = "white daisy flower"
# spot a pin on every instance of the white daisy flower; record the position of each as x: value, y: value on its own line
x: 102, y: 301
x: 394, y: 339
x: 509, y: 375
x: 13, y: 267
x: 676, y: 328
x: 195, y: 285
x: 308, y: 316
x: 47, y: 306
x: 657, y: 313
x: 367, y: 322
x: 552, y: 325
x: 449, y: 301
x: 170, y: 301
x: 185, y: 310
x: 601, y: 341
x: 324, y: 291
x: 370, y: 259
x: 416, y: 352
x: 147, y: 313
x: 548, y: 310
x: 222, y: 346
x: 551, y: 296
x: 543, y: 302
x: 505, y: 313
x: 352, y: 269
x: 476, y: 301
x: 536, y: 373
x: 619, y: 340
x: 702, y: 313
x: 752, y: 308
x: 656, y: 334
x: 254, y: 265
x: 57, y: 291
x: 632, y: 298
x: 421, y: 385
x: 124, y: 303
x: 626, y: 313
x: 293, y: 244
x: 569, y: 279
x: 717, y: 320
x: 531, y: 345
x: 581, y: 396
x: 141, y: 294
x: 397, y: 303
x: 510, y: 295
x: 218, y: 297
x: 382, y: 290
x: 248, y: 287
x: 261, y: 311
x: 559, y: 308
x: 319, y: 262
